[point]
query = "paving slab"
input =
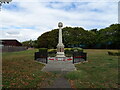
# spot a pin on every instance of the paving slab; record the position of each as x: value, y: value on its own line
x: 60, y: 83
x: 59, y: 66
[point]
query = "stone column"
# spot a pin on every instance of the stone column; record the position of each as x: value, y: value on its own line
x: 60, y: 46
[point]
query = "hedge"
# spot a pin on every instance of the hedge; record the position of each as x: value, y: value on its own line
x: 114, y: 53
x: 43, y: 50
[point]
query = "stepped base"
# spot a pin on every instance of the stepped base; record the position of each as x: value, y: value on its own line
x: 60, y: 54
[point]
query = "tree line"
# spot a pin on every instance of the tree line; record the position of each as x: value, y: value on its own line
x: 79, y: 37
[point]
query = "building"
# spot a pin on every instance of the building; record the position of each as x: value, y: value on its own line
x: 10, y: 42
x: 11, y: 45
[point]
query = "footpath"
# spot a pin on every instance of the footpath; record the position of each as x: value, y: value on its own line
x: 60, y: 66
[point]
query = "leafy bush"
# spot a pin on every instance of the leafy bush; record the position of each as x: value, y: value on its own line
x: 43, y: 50
x: 114, y: 53
x: 52, y: 52
x: 77, y: 49
x: 68, y: 51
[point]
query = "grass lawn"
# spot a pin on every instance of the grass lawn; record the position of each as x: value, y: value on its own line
x: 101, y: 71
x: 19, y: 70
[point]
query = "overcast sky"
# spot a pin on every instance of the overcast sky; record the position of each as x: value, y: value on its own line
x: 27, y: 19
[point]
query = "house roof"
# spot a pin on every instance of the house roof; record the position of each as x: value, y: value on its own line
x: 9, y: 40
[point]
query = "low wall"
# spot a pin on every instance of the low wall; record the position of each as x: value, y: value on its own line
x: 13, y: 48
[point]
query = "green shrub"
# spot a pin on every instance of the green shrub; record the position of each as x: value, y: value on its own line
x: 77, y: 49
x: 43, y: 50
x: 114, y: 53
x: 68, y: 49
x: 118, y: 54
x: 52, y: 50
x: 68, y: 52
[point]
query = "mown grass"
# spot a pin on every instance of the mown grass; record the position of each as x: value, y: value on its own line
x: 20, y: 70
x: 101, y: 71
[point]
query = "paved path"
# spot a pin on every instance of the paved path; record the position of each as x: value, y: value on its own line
x: 60, y: 82
x: 59, y: 66
x: 63, y: 67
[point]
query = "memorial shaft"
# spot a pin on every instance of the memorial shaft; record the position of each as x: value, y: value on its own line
x: 60, y: 46
x: 60, y: 35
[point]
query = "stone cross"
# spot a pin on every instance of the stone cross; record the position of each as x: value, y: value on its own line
x: 60, y: 46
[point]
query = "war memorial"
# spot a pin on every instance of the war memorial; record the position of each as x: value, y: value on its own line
x: 60, y: 62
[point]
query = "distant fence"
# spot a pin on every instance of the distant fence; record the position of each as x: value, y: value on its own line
x: 12, y: 48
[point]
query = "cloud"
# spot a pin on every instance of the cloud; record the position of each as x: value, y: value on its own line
x: 13, y: 33
x: 66, y: 1
x: 25, y: 20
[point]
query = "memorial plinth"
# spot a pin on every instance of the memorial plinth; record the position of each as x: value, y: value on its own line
x: 60, y: 46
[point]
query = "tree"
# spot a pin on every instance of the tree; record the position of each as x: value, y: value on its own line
x: 78, y: 37
x: 71, y: 37
x: 109, y: 36
x: 4, y: 1
x: 30, y: 43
